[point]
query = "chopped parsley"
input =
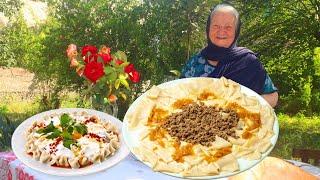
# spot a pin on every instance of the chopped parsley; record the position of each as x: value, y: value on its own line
x: 69, y: 126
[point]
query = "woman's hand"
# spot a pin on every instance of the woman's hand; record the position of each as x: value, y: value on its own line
x: 271, y: 98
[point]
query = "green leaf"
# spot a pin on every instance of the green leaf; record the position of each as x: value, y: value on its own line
x: 117, y: 84
x: 48, y: 129
x: 114, y: 58
x: 41, y: 131
x: 70, y: 129
x: 56, y: 133
x: 105, y: 101
x: 67, y: 143
x: 118, y: 69
x: 121, y: 55
x: 101, y: 85
x: 123, y: 76
x: 108, y: 70
x: 66, y: 135
x: 80, y: 128
x: 125, y: 83
x: 103, y: 79
x: 65, y: 120
x: 110, y: 89
x: 112, y: 76
x: 124, y: 64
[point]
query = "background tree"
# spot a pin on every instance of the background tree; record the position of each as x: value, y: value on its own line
x: 159, y: 36
x: 285, y: 34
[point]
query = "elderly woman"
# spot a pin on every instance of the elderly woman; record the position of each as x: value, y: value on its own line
x: 221, y: 57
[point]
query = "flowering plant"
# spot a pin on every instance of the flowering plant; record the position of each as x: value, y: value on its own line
x: 108, y: 75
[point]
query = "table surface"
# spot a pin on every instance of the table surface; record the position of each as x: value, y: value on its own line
x: 129, y: 168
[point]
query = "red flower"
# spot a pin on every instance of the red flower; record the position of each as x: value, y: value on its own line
x: 132, y: 72
x: 93, y: 71
x: 134, y: 76
x: 119, y: 62
x: 92, y: 57
x: 89, y: 48
x: 130, y: 68
x: 106, y: 58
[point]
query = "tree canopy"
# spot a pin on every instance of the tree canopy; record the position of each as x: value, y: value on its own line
x: 159, y: 36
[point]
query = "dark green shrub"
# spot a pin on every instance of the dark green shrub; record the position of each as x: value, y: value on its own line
x: 6, y: 130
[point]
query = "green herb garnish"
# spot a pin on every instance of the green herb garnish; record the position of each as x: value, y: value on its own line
x: 67, y: 143
x: 66, y: 135
x: 80, y: 128
x: 65, y: 120
x: 68, y: 125
x: 56, y: 133
x: 48, y: 129
x: 70, y: 129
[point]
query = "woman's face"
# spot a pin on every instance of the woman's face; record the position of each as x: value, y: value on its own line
x: 222, y: 29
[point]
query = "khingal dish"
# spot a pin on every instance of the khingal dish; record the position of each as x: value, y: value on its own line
x: 71, y: 140
x: 199, y: 127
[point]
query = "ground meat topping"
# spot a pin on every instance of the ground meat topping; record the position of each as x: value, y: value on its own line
x: 199, y: 124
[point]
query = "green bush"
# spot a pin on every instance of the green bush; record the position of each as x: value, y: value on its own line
x: 297, y: 132
x: 10, y: 119
x: 6, y: 130
x: 315, y: 103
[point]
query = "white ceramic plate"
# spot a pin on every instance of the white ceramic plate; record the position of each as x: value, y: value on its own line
x: 18, y: 142
x: 132, y: 140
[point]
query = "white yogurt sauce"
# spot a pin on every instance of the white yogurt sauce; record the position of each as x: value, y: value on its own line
x: 63, y: 151
x: 97, y: 129
x: 89, y: 147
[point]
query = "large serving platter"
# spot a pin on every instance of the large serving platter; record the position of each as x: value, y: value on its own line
x: 131, y: 136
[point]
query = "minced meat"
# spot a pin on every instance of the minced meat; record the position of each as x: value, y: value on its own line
x: 199, y: 124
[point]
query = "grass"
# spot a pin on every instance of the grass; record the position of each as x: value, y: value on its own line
x: 12, y: 113
x: 297, y: 132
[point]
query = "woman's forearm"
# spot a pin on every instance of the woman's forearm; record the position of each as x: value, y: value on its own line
x: 271, y: 98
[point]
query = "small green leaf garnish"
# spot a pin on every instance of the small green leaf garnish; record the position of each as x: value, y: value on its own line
x: 65, y: 120
x: 48, y: 129
x: 68, y: 126
x: 66, y: 135
x: 67, y: 143
x: 80, y: 128
x: 40, y: 131
x: 56, y: 133
x: 70, y: 129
